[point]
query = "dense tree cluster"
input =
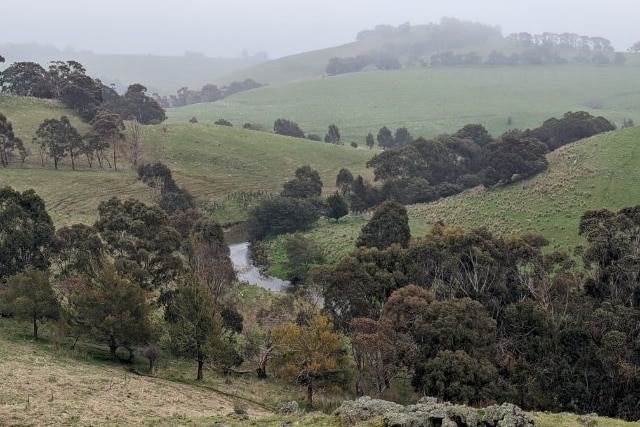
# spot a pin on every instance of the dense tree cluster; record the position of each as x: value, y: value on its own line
x: 441, y: 46
x: 472, y: 316
x: 105, y: 282
x: 424, y: 170
x: 288, y: 128
x: 69, y: 83
x: 208, y: 93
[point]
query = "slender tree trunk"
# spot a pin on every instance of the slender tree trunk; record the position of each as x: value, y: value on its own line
x: 200, y: 376
x: 35, y: 327
x: 73, y: 162
x: 310, y: 394
x: 113, y: 346
x: 115, y: 166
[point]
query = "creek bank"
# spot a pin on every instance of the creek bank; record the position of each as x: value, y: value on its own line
x: 247, y: 271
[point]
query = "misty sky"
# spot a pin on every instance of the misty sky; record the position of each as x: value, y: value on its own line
x: 282, y: 27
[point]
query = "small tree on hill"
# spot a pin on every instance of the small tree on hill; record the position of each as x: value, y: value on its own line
x: 306, y: 184
x: 28, y: 295
x: 287, y: 127
x: 109, y: 128
x: 388, y: 225
x: 344, y: 180
x: 9, y: 142
x: 385, y: 138
x: 113, y: 310
x: 401, y: 138
x: 337, y: 206
x: 59, y: 137
x: 195, y: 330
x: 370, y: 140
x: 333, y: 135
x: 26, y: 231
x: 310, y: 355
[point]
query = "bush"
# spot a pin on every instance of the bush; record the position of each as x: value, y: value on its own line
x: 223, y: 122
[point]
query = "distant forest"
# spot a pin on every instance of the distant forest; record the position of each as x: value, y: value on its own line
x: 444, y: 44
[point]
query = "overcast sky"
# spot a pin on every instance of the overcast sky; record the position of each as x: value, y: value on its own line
x: 282, y: 27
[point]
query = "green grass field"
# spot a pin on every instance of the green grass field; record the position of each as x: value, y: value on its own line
x: 597, y: 173
x: 212, y: 162
x: 432, y: 101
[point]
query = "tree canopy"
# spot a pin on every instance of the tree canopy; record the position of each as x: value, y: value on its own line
x: 26, y: 231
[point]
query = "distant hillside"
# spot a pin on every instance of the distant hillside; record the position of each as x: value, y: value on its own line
x: 162, y: 74
x: 211, y: 161
x: 433, y: 101
x: 597, y: 173
x: 406, y: 42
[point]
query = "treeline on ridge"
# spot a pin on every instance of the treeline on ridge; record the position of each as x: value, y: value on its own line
x: 438, y: 45
x: 423, y: 170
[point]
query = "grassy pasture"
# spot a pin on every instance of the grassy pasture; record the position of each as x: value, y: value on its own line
x: 211, y: 161
x: 432, y: 101
x: 596, y: 173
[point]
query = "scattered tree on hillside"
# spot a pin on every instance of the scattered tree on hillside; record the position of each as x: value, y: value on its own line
x: 9, y: 142
x: 113, y: 310
x: 370, y: 141
x: 28, y: 295
x: 305, y: 185
x: 635, y: 47
x: 26, y: 231
x: 57, y: 138
x: 195, y: 327
x: 137, y: 134
x: 337, y: 206
x: 302, y: 255
x: 106, y: 129
x: 1, y: 59
x: 333, y: 135
x: 138, y: 105
x: 140, y: 240
x: 344, y: 180
x: 310, y: 355
x: 223, y: 122
x: 385, y: 138
x: 279, y: 215
x: 287, y: 127
x: 388, y: 225
x: 25, y: 79
x: 209, y: 258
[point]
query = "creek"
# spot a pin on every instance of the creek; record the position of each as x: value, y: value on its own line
x: 248, y: 272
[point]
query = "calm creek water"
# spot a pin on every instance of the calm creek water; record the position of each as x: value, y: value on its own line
x: 248, y: 272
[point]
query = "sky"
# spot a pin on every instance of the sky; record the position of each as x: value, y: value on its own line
x: 283, y: 27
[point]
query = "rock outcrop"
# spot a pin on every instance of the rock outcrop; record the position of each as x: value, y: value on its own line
x: 429, y: 413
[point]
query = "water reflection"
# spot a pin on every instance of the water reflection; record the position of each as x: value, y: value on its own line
x: 248, y: 272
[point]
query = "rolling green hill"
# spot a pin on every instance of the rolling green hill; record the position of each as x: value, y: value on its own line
x: 211, y: 161
x: 433, y: 101
x: 597, y: 173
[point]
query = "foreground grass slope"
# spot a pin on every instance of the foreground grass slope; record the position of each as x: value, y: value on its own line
x: 210, y: 161
x: 46, y: 384
x: 433, y: 101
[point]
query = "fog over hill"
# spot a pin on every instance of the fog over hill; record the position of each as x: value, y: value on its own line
x: 282, y: 27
